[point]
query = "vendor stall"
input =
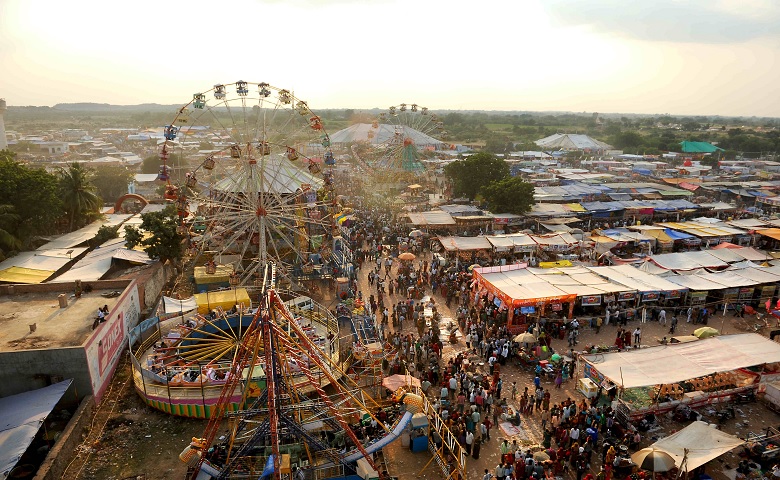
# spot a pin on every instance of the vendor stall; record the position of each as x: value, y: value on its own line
x: 697, y: 444
x: 694, y: 374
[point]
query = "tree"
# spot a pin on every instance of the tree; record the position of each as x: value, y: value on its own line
x: 164, y: 242
x: 34, y: 195
x: 151, y: 164
x: 510, y: 195
x: 627, y: 139
x: 476, y: 171
x: 104, y: 234
x: 79, y: 194
x: 111, y: 181
x: 8, y: 219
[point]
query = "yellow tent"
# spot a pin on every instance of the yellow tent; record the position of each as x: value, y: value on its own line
x: 221, y: 275
x: 222, y: 298
x: 24, y: 275
x: 556, y: 264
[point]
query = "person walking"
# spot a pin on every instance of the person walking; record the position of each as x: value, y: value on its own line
x: 637, y: 337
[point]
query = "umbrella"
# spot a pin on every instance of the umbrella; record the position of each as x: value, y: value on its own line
x: 653, y: 459
x: 416, y: 233
x: 414, y: 187
x: 525, y: 338
x: 555, y: 357
x: 705, y: 332
x: 406, y: 256
x: 394, y: 382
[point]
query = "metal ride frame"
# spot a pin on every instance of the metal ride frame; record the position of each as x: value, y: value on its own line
x: 280, y: 408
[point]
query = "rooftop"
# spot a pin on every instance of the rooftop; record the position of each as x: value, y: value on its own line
x: 55, y: 327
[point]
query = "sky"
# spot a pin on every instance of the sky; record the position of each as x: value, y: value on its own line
x: 679, y: 57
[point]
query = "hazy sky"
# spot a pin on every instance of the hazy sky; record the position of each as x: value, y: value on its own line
x: 652, y: 56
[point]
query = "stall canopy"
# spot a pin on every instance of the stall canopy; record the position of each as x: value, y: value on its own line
x: 635, y: 278
x: 431, y: 219
x: 461, y: 244
x: 641, y: 368
x: 688, y: 260
x: 702, y: 442
x: 518, y: 286
x: 21, y: 417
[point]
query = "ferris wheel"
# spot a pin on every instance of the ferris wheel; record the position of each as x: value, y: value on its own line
x: 248, y: 166
x: 402, y: 133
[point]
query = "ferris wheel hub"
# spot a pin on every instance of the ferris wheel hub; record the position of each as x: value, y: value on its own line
x: 261, y: 212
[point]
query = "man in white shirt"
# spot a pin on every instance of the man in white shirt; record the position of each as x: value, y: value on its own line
x: 453, y: 386
x: 469, y: 442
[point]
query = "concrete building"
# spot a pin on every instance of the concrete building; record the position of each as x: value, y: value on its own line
x: 47, y: 333
x: 3, y: 140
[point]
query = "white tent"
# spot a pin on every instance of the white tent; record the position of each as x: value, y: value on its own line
x: 698, y: 443
x: 676, y: 363
x: 175, y: 305
x: 570, y: 141
x: 21, y: 416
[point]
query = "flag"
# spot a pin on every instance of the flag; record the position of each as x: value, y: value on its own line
x: 269, y: 468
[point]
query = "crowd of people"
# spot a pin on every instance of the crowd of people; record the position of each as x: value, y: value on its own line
x: 467, y: 389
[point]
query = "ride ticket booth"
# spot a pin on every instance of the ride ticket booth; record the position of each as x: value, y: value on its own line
x: 419, y: 435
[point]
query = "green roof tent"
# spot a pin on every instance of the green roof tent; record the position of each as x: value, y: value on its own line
x: 698, y: 147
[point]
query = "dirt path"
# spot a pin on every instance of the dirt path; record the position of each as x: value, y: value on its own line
x: 129, y: 440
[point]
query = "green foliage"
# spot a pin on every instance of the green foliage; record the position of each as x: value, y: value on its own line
x: 104, y: 234
x: 164, y: 241
x: 510, y: 195
x: 79, y: 195
x: 33, y: 195
x: 111, y: 181
x: 133, y: 236
x: 470, y: 175
x: 628, y: 139
x: 151, y: 164
x: 8, y: 220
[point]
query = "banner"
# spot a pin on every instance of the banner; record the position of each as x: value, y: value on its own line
x: 591, y: 300
x: 625, y: 296
x: 650, y: 296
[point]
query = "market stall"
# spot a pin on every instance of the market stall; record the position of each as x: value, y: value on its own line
x: 693, y: 374
x: 536, y: 291
x: 697, y: 444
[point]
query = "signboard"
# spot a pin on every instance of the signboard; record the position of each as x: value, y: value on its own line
x: 650, y: 296
x: 697, y: 298
x: 593, y: 374
x: 104, y: 348
x: 746, y: 293
x: 591, y: 300
x: 625, y: 296
x: 671, y: 294
x: 557, y: 307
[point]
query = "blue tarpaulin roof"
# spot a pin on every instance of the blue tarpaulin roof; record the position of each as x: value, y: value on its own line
x: 21, y: 416
x: 675, y: 235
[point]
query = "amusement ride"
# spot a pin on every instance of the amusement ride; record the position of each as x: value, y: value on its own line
x: 262, y: 191
x: 284, y: 396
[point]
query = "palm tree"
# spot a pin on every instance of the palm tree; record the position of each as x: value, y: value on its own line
x: 79, y: 195
x: 8, y: 241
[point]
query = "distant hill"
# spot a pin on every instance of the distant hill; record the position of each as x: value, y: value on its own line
x: 106, y: 107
